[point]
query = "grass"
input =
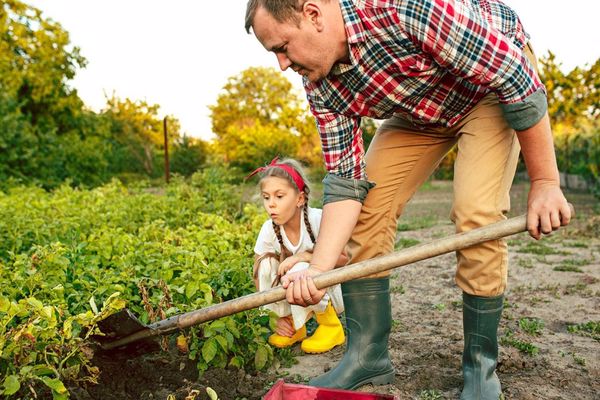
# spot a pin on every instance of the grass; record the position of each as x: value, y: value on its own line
x: 531, y: 326
x: 567, y: 268
x: 581, y: 245
x: 430, y: 394
x: 525, y: 263
x: 524, y: 347
x: 572, y: 265
x: 579, y: 360
x: 403, y: 243
x: 540, y: 249
x: 589, y: 329
x: 397, y: 289
x: 417, y: 222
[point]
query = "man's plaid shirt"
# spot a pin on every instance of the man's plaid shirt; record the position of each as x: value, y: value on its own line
x: 426, y: 61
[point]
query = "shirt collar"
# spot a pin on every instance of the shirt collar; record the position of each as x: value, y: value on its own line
x: 355, y: 33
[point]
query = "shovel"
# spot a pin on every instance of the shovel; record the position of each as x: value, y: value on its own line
x: 124, y: 328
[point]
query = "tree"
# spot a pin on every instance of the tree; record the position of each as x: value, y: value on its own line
x: 574, y: 97
x: 36, y: 64
x: 38, y: 108
x: 189, y: 155
x: 136, y: 126
x: 259, y: 114
x: 574, y: 108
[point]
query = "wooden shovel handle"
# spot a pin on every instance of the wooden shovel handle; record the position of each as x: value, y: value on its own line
x: 358, y: 270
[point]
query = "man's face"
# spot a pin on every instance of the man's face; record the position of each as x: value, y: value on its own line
x: 304, y: 47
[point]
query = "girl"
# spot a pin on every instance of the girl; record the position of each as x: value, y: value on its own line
x: 285, y: 243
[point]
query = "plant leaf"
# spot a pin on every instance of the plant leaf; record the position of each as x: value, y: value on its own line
x: 11, y: 385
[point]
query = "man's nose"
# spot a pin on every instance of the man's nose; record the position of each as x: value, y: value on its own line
x: 284, y: 61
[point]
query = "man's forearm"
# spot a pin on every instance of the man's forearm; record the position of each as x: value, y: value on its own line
x: 337, y: 223
x: 537, y: 147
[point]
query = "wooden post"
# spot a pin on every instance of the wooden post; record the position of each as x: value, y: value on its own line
x: 167, y: 172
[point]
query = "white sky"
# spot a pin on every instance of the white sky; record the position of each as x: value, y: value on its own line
x: 180, y: 53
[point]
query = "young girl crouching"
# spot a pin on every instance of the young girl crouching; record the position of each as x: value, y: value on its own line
x: 285, y: 244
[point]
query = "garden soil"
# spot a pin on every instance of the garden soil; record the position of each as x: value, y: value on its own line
x: 555, y: 282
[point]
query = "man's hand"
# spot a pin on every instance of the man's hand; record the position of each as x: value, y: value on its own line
x: 301, y: 289
x: 547, y: 208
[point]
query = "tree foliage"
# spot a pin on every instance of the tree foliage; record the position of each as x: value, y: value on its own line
x: 47, y: 135
x: 574, y: 108
x: 259, y: 115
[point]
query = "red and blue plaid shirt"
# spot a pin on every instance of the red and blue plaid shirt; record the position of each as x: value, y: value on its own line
x: 426, y: 61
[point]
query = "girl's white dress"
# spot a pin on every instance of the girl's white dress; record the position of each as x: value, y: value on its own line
x: 267, y: 270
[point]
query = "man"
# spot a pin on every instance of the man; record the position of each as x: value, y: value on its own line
x: 440, y: 73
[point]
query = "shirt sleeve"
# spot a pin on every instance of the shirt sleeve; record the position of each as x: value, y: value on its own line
x: 266, y: 241
x: 464, y: 42
x: 343, y: 150
x: 314, y: 216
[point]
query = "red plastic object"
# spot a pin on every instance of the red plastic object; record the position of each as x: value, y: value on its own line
x: 290, y: 391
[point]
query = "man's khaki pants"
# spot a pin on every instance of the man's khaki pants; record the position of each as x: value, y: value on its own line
x: 402, y: 157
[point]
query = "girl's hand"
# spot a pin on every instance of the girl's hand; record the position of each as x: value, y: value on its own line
x: 286, y: 265
x: 284, y: 327
x: 289, y: 262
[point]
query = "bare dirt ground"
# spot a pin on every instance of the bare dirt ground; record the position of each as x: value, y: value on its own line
x: 553, y: 284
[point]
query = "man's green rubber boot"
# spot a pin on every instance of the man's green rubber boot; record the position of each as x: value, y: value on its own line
x: 481, y: 316
x: 368, y: 321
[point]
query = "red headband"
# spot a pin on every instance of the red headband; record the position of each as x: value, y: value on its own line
x: 291, y: 171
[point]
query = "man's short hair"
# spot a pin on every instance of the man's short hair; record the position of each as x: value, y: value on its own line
x: 281, y: 10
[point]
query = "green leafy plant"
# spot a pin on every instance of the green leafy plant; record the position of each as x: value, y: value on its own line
x: 589, y: 329
x: 532, y: 326
x: 524, y: 347
x: 430, y: 394
x: 67, y: 255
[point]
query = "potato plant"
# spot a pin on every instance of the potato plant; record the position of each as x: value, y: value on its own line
x: 70, y: 257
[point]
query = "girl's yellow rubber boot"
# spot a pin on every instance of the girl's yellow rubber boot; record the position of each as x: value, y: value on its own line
x: 286, y: 341
x: 329, y: 333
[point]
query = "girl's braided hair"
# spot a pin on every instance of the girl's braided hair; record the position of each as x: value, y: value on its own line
x: 281, y: 173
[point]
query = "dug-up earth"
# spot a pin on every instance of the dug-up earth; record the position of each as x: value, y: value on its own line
x: 553, y: 286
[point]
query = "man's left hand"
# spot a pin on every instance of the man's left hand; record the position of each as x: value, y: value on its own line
x: 547, y: 208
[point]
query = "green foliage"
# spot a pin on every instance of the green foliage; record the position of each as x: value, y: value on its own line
x: 258, y: 116
x: 64, y: 254
x: 402, y: 243
x: 532, y: 326
x: 417, y: 222
x: 590, y: 329
x: 47, y: 136
x: 540, y: 249
x: 136, y: 126
x: 524, y: 347
x: 430, y: 394
x: 574, y: 108
x: 188, y: 155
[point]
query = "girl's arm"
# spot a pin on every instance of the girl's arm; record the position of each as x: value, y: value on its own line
x: 255, y: 270
x: 306, y: 256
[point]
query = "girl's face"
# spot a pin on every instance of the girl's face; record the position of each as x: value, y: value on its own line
x: 281, y: 200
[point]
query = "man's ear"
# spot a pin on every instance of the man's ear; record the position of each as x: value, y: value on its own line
x: 312, y: 12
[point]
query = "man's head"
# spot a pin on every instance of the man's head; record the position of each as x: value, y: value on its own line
x: 305, y: 35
